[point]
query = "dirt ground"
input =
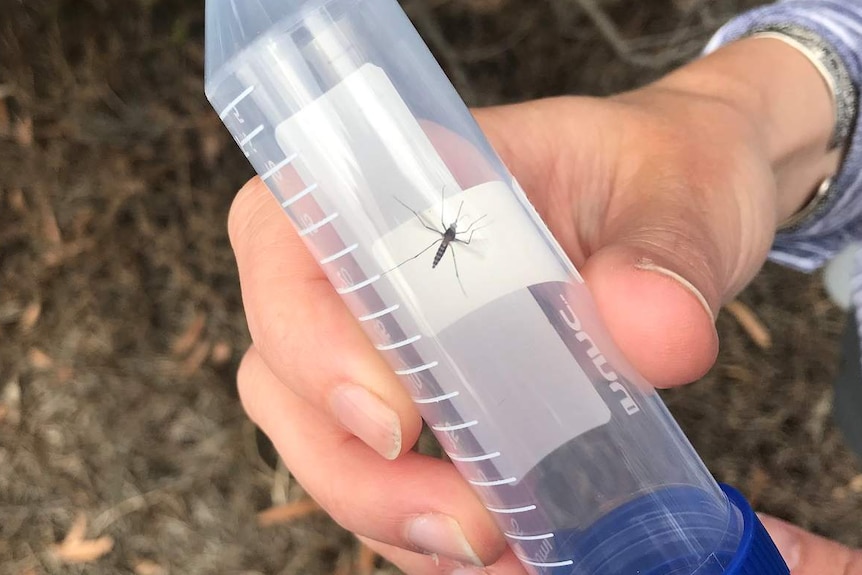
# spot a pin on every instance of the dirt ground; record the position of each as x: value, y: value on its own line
x: 120, y: 318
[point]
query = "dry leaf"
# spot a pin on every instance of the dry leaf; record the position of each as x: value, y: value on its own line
x: 23, y: 132
x: 752, y: 325
x: 287, y: 513
x: 149, y: 568
x: 344, y: 565
x: 39, y: 359
x: 221, y: 353
x: 30, y: 316
x: 485, y: 6
x: 366, y: 560
x: 5, y: 122
x: 16, y: 201
x: 212, y: 145
x: 50, y: 229
x: 185, y: 342
x: 76, y: 548
x: 60, y: 253
x: 10, y: 403
x: 64, y: 374
x: 196, y: 359
x: 758, y: 482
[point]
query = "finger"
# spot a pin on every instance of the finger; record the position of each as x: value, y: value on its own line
x: 416, y: 502
x: 808, y: 554
x: 417, y: 564
x: 306, y: 334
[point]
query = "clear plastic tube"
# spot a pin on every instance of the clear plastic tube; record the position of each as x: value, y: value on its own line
x: 350, y: 121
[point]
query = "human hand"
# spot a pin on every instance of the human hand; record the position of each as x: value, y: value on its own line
x: 665, y: 198
x: 808, y: 554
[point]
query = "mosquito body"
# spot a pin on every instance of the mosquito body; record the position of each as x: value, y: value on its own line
x: 449, y: 236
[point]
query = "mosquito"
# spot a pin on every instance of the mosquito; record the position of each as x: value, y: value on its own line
x: 449, y: 235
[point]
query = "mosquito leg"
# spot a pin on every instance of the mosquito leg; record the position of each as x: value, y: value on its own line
x: 470, y: 227
x: 419, y: 217
x: 442, y: 207
x: 414, y: 257
x: 457, y: 274
x: 469, y: 239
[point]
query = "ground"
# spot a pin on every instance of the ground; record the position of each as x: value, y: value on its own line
x: 120, y: 318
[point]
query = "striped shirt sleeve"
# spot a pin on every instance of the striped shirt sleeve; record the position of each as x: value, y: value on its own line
x: 838, y: 23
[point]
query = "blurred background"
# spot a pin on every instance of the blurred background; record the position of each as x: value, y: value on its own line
x: 123, y: 448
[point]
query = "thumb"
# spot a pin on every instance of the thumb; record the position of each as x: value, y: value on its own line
x: 674, y: 221
x: 808, y: 554
x: 685, y: 227
x: 654, y: 284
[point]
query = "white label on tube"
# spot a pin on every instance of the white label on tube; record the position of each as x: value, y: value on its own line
x: 364, y: 149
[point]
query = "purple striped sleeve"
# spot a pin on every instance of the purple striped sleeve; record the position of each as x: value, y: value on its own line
x: 839, y: 23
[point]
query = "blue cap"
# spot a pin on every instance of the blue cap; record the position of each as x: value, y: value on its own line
x: 642, y: 537
x: 757, y: 554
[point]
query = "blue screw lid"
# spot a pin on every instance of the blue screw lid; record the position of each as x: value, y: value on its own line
x: 757, y: 554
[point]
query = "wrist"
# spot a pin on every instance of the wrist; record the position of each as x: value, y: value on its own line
x: 787, y: 106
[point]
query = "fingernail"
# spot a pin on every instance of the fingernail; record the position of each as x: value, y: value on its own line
x: 367, y: 417
x: 650, y: 266
x: 787, y: 541
x: 438, y: 534
x: 469, y: 571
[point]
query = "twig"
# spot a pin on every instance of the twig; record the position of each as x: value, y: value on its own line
x: 280, y: 484
x: 187, y: 340
x: 758, y: 481
x: 748, y: 320
x: 39, y: 359
x: 30, y: 316
x: 524, y: 29
x: 287, y: 513
x: 196, y: 359
x: 344, y: 565
x: 682, y: 35
x: 620, y: 45
x: 365, y: 560
x: 427, y: 23
x: 136, y: 503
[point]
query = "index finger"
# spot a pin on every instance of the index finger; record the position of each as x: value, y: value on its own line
x: 306, y: 334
